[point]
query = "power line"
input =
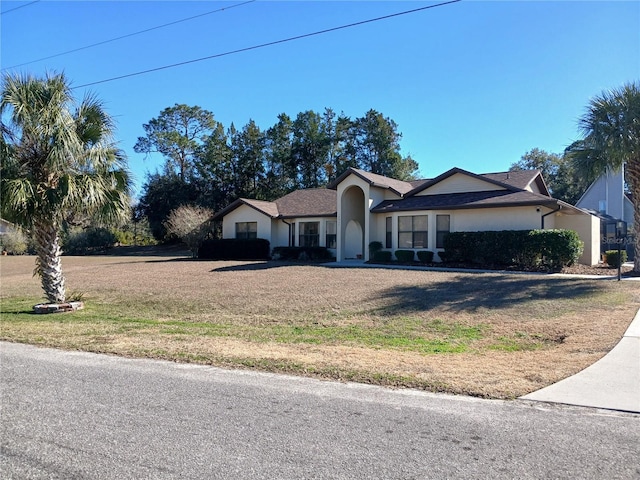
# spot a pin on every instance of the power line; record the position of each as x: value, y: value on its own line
x: 18, y: 7
x: 268, y: 44
x: 127, y: 35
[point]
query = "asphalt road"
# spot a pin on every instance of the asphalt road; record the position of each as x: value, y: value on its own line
x: 75, y: 415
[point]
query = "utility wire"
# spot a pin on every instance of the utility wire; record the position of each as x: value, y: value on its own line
x: 128, y: 35
x: 268, y: 44
x: 18, y: 7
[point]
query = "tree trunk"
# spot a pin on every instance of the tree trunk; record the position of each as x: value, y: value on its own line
x: 48, y: 263
x: 633, y: 177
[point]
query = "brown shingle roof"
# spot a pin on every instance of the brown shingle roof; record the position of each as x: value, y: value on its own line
x: 519, y: 178
x: 398, y: 186
x: 312, y: 202
x: 450, y: 201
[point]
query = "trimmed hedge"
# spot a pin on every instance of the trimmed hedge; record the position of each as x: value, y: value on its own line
x: 382, y: 256
x: 425, y: 256
x: 302, y: 253
x: 235, y: 249
x: 612, y: 259
x: 528, y: 249
x: 405, y: 255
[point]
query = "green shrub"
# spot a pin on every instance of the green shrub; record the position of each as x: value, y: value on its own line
x: 612, y: 258
x: 425, y: 256
x: 301, y: 253
x: 14, y: 242
x: 234, y: 249
x: 382, y: 256
x: 405, y: 256
x: 91, y: 240
x: 374, y: 247
x: 444, y: 256
x: 527, y: 249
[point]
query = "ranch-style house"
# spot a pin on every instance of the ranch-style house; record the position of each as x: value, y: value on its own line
x: 361, y: 207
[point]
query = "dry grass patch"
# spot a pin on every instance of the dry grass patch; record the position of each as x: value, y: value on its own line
x: 489, y: 335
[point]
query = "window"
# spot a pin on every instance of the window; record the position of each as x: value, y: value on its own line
x: 292, y: 242
x: 309, y: 234
x: 412, y: 231
x: 443, y: 225
x: 246, y: 230
x: 331, y: 240
x: 389, y: 233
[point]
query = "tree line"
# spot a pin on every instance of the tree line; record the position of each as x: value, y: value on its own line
x: 209, y: 165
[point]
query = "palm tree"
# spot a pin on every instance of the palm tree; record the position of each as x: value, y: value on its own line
x: 611, y: 129
x: 62, y: 160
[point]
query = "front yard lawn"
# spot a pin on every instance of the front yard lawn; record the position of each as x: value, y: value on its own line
x: 484, y: 334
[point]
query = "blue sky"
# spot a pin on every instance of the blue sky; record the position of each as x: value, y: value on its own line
x: 472, y: 84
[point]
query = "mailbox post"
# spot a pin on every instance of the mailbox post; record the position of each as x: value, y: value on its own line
x: 621, y: 235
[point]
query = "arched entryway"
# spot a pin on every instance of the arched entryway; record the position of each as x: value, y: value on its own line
x: 353, y: 240
x: 352, y: 223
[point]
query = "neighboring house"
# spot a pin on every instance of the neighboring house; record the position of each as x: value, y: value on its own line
x: 360, y: 207
x: 607, y: 197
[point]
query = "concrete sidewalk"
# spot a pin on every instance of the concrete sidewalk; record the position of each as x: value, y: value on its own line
x: 612, y: 383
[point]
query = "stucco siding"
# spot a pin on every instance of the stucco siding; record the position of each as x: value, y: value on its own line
x: 460, y: 183
x: 494, y: 219
x: 588, y: 229
x: 244, y: 213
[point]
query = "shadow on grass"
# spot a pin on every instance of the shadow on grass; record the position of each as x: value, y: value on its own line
x: 469, y: 293
x: 252, y: 266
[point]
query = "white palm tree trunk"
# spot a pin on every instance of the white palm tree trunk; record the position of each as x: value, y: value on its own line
x: 48, y: 263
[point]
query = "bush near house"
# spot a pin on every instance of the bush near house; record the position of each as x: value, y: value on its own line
x: 235, y: 249
x: 302, y: 253
x: 383, y: 256
x: 612, y: 258
x: 405, y: 256
x: 425, y: 256
x: 527, y: 249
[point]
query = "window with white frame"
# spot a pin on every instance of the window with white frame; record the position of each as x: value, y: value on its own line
x: 413, y: 231
x: 443, y: 226
x: 389, y: 232
x: 246, y: 230
x: 331, y: 235
x: 309, y: 235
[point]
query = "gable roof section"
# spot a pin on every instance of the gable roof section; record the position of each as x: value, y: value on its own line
x: 449, y: 173
x: 457, y: 201
x: 399, y: 187
x: 521, y: 179
x: 266, y: 208
x: 314, y: 202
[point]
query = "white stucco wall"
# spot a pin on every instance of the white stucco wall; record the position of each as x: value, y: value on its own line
x: 588, y: 229
x: 460, y: 183
x: 244, y: 213
x: 347, y: 210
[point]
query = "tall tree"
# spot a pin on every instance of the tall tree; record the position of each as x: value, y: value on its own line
x: 281, y: 174
x: 177, y: 133
x: 249, y: 161
x: 64, y: 161
x: 378, y: 147
x: 309, y: 148
x: 611, y: 138
x: 163, y: 193
x: 562, y: 180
